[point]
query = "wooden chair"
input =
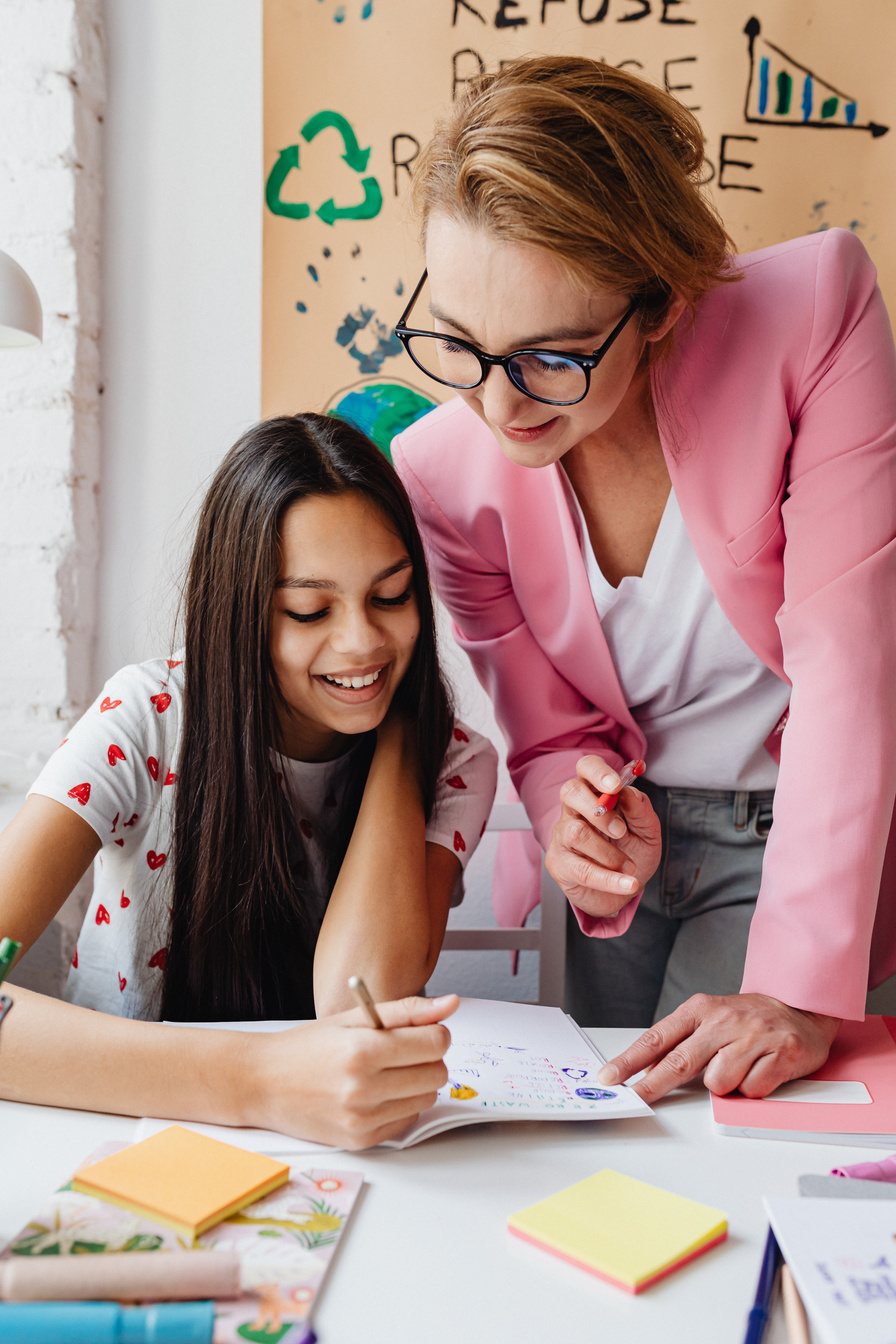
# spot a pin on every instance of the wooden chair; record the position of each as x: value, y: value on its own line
x: 549, y: 941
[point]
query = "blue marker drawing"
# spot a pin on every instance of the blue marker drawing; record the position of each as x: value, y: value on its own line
x: 576, y: 1073
x: 595, y: 1093
x: 313, y: 273
x: 807, y: 98
x: 380, y: 339
x: 353, y: 322
x: 301, y: 307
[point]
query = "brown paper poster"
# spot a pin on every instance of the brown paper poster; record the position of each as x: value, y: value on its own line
x: 795, y: 98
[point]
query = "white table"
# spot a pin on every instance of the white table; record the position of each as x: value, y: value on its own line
x: 428, y: 1259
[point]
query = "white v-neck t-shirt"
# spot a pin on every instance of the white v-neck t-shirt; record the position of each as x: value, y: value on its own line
x: 703, y: 699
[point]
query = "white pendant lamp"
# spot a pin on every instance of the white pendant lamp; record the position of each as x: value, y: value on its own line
x: 21, y: 321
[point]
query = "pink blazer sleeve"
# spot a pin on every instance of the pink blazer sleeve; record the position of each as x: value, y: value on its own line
x: 811, y: 934
x: 547, y: 723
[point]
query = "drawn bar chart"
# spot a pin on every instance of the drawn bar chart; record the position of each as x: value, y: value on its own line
x: 783, y: 92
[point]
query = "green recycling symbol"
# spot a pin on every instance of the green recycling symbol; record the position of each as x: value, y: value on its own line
x: 354, y: 156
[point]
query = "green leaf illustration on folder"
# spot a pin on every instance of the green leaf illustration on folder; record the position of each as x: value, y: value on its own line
x: 263, y: 1336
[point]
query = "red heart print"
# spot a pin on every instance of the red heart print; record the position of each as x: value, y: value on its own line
x: 102, y: 915
x: 306, y: 828
x: 155, y: 860
x: 81, y: 792
x: 161, y: 701
x: 157, y: 960
x: 152, y: 766
x: 121, y: 983
x: 174, y: 662
x: 133, y: 821
x: 460, y: 735
x: 125, y: 901
x: 455, y: 782
x: 120, y: 843
x: 62, y: 743
x: 108, y: 704
x: 459, y: 846
x: 115, y: 822
x: 171, y: 777
x: 75, y: 959
x: 115, y: 753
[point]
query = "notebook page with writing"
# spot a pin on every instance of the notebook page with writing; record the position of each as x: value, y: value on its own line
x: 506, y: 1061
x: 519, y: 1061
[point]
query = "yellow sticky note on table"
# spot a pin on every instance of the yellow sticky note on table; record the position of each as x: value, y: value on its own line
x: 620, y: 1229
x: 182, y: 1179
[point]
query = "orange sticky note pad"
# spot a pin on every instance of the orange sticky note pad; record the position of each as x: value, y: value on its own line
x: 620, y: 1229
x: 182, y: 1179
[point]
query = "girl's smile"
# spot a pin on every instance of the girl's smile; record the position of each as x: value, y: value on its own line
x: 355, y: 686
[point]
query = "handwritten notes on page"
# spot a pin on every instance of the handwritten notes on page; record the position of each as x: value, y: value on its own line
x: 518, y: 1061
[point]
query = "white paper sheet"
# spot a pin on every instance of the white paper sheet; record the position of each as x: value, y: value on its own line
x: 842, y: 1254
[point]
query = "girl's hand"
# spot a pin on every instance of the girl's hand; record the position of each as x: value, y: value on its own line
x: 602, y: 862
x: 339, y: 1081
x: 747, y: 1041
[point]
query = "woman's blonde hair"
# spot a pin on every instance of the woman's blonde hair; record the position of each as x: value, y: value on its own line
x: 587, y: 163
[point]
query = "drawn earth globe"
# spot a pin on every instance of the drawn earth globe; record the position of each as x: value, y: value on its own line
x: 380, y: 410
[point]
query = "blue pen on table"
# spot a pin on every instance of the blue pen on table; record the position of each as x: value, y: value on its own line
x: 757, y: 1321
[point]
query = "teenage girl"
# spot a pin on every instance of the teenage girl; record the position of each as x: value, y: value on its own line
x: 285, y: 802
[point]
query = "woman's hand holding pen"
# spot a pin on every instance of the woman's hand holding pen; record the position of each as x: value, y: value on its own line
x: 339, y: 1081
x: 601, y: 862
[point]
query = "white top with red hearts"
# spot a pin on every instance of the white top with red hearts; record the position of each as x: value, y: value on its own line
x: 117, y: 769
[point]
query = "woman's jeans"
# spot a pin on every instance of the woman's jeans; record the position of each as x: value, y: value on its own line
x: 689, y: 933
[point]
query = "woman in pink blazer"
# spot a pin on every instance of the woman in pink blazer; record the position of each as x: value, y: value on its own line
x: 561, y: 216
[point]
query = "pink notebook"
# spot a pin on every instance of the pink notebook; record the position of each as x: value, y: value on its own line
x: 862, y: 1053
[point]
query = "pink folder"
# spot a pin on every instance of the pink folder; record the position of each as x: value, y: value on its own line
x: 862, y: 1052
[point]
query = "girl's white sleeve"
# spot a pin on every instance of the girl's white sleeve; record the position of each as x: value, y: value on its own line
x: 464, y: 793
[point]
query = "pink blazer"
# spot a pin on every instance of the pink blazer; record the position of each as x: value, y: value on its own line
x: 777, y: 416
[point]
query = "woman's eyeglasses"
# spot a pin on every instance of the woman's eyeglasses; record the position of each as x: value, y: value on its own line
x: 559, y: 379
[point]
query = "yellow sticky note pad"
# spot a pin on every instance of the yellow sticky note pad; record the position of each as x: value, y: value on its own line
x: 182, y: 1179
x: 620, y: 1229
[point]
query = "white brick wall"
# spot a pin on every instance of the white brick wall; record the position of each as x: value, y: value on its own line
x: 52, y: 90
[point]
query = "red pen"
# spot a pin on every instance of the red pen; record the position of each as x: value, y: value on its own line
x: 628, y: 775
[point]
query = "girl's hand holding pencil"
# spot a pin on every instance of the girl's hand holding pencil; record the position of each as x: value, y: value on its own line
x: 352, y: 1085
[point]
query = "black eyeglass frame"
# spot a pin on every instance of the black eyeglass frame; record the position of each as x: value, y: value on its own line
x: 486, y: 362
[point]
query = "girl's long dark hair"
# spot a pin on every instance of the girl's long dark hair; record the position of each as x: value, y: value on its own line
x: 241, y: 943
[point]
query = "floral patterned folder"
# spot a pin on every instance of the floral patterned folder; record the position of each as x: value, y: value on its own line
x: 285, y: 1243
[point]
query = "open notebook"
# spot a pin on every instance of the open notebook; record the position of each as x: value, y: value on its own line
x: 506, y: 1061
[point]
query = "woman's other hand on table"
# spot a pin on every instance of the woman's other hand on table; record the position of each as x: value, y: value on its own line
x: 746, y: 1041
x: 602, y: 862
x: 338, y: 1080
